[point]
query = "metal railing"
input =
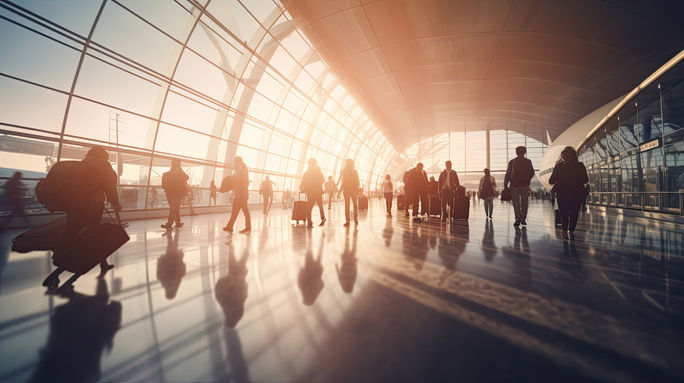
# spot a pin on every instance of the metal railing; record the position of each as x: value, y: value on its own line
x: 660, y: 202
x: 132, y: 197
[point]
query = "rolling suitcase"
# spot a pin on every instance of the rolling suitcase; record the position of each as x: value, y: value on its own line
x: 461, y: 208
x: 401, y: 202
x: 363, y: 202
x: 434, y: 206
x: 93, y: 247
x: 42, y: 237
x: 556, y: 215
x: 299, y: 210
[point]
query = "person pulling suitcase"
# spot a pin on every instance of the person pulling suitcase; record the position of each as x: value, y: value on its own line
x: 79, y: 188
x: 447, y: 185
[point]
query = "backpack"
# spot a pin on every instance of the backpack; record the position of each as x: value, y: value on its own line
x: 487, y: 189
x: 64, y: 186
x: 518, y: 177
x: 174, y: 184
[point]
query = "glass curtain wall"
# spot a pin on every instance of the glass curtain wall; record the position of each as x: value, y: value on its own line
x: 157, y: 80
x: 636, y: 159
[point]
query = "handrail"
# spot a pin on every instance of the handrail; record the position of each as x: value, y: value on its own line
x: 648, y: 81
x: 629, y: 192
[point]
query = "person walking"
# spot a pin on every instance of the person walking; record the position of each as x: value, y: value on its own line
x: 388, y: 192
x: 175, y: 185
x: 15, y: 190
x: 423, y: 192
x: 447, y: 185
x: 212, y: 192
x: 330, y: 189
x: 312, y: 185
x: 266, y: 191
x: 416, y: 189
x: 407, y: 191
x: 518, y: 176
x: 98, y: 182
x: 240, y: 197
x: 349, y: 180
x: 432, y: 187
x: 569, y: 178
x: 487, y: 191
x: 154, y: 197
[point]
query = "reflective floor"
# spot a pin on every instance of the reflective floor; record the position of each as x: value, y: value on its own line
x: 390, y: 300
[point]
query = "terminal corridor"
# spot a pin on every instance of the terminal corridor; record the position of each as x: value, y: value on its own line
x: 180, y: 182
x: 389, y: 300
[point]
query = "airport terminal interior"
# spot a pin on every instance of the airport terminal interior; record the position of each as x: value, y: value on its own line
x: 433, y: 289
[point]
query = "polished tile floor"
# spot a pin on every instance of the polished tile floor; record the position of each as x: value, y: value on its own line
x: 388, y: 301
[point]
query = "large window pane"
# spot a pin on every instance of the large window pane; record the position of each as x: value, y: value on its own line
x: 137, y: 41
x: 19, y: 103
x: 25, y: 54
x: 120, y: 88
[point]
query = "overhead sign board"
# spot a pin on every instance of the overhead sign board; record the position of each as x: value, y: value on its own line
x: 650, y: 145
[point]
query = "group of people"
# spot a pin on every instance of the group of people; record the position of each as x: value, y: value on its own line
x: 313, y: 185
x: 569, y: 178
x: 418, y: 190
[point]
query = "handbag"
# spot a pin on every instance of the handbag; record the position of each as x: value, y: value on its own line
x: 506, y: 195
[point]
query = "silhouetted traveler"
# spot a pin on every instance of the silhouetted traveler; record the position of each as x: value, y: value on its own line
x: 447, y: 185
x: 388, y: 192
x: 287, y: 197
x: 99, y: 181
x: 433, y: 187
x: 518, y: 176
x: 170, y: 266
x: 416, y: 189
x: 407, y: 201
x: 15, y: 191
x: 154, y: 197
x: 175, y: 184
x: 80, y: 331
x: 487, y: 191
x: 423, y: 193
x: 266, y: 191
x: 240, y: 197
x: 330, y: 189
x: 349, y: 180
x: 568, y: 179
x: 212, y: 192
x: 312, y: 185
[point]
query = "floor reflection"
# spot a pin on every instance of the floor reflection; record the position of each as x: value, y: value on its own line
x: 347, y: 270
x: 389, y: 300
x: 489, y: 248
x: 80, y: 331
x: 231, y: 289
x: 170, y: 266
x: 310, y: 278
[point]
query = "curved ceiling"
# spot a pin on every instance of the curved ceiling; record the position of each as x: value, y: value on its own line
x: 422, y: 67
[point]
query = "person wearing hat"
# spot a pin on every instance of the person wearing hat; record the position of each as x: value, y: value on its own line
x: 99, y: 183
